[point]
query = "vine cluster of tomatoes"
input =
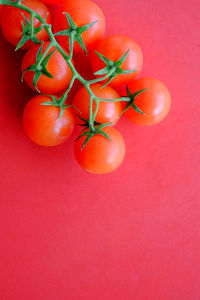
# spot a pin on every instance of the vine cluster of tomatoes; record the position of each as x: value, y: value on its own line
x: 48, y: 68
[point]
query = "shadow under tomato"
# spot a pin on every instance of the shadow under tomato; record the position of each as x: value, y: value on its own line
x: 13, y: 93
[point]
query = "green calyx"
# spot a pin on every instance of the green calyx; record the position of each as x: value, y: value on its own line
x: 40, y: 66
x: 75, y: 33
x: 131, y: 103
x: 86, y: 124
x: 29, y: 32
x: 58, y: 103
x: 112, y: 68
x: 97, y: 129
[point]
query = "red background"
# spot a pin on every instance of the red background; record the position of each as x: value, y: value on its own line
x: 133, y: 234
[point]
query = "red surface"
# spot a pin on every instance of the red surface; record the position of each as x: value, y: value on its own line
x: 133, y: 234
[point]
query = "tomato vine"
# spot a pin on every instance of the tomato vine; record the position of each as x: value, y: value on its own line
x: 74, y: 33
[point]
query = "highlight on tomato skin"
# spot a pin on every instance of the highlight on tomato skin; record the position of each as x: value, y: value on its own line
x: 155, y: 102
x: 100, y: 155
x: 56, y: 66
x: 114, y: 47
x: 108, y: 112
x: 43, y: 125
x: 12, y: 18
x: 82, y: 12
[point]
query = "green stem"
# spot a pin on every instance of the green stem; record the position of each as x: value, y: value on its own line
x: 32, y: 25
x: 64, y: 96
x: 91, y: 121
x: 96, y: 110
x: 98, y: 79
x: 124, y: 99
x: 71, y: 45
x: 45, y: 53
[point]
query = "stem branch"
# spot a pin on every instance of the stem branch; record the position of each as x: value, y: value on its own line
x: 65, y: 95
x: 45, y: 53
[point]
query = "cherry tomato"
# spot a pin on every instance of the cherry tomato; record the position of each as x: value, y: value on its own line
x: 82, y: 12
x: 11, y: 22
x: 42, y: 125
x: 108, y: 112
x: 57, y: 66
x: 154, y: 102
x: 101, y: 156
x: 114, y: 47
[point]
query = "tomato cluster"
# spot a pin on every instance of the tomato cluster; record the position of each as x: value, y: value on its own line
x: 48, y: 68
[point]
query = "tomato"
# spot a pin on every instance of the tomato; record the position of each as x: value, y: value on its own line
x: 57, y: 66
x: 82, y: 12
x: 114, y: 47
x: 11, y: 22
x: 154, y: 102
x: 101, y: 156
x: 42, y: 125
x: 108, y: 112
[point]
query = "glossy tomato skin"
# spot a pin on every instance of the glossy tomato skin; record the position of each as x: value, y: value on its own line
x: 42, y: 125
x: 57, y: 66
x: 108, y: 112
x: 101, y: 156
x: 11, y: 22
x: 82, y: 12
x: 114, y: 47
x: 154, y: 102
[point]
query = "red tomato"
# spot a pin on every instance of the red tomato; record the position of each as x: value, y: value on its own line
x: 108, y: 112
x: 101, y: 156
x: 114, y: 47
x: 154, y: 102
x: 11, y: 22
x: 82, y: 12
x: 42, y: 125
x: 57, y: 66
